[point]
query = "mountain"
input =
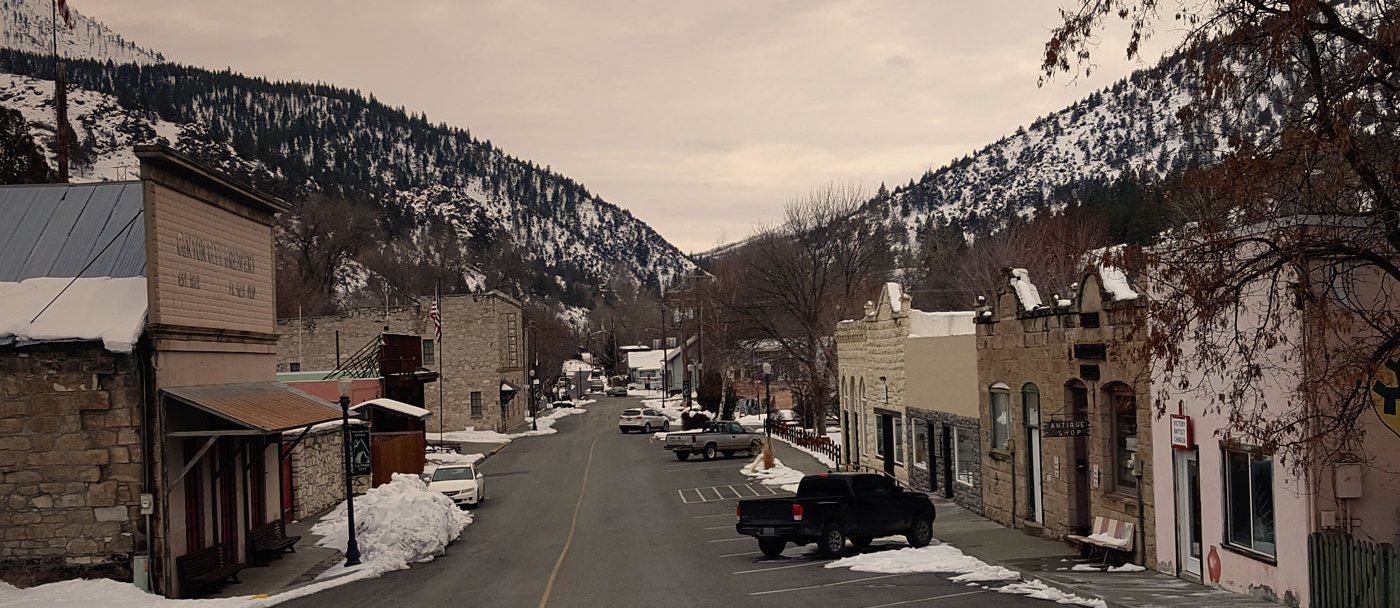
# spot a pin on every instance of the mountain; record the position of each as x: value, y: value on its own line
x: 524, y: 229
x: 28, y: 27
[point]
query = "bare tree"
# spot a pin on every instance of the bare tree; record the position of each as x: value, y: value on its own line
x: 1053, y: 247
x: 316, y: 241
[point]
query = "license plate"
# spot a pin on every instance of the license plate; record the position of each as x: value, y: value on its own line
x: 768, y: 532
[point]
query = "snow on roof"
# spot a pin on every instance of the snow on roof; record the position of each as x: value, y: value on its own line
x: 397, y: 406
x: 576, y: 365
x: 1026, y: 293
x: 941, y: 324
x: 644, y: 360
x: 896, y: 294
x: 1116, y: 283
x: 112, y: 310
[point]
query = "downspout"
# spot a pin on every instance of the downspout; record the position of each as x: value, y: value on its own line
x: 145, y: 379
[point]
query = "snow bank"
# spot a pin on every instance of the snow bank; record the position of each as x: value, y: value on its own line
x: 112, y: 310
x: 545, y: 424
x: 1041, y: 591
x: 780, y: 476
x: 1026, y: 292
x: 942, y: 558
x: 399, y: 523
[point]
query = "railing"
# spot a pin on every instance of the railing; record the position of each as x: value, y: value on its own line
x: 1347, y: 573
x: 799, y: 436
x: 363, y: 364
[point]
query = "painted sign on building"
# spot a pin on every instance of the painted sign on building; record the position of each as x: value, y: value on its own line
x: 1385, y: 392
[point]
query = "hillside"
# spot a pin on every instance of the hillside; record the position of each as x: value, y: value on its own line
x: 28, y: 26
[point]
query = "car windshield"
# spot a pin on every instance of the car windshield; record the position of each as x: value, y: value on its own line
x: 453, y: 474
x: 812, y: 487
x: 630, y: 412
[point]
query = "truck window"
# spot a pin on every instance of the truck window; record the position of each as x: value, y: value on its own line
x: 871, y: 485
x: 821, y: 487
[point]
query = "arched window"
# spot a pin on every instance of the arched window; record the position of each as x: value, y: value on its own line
x: 999, y: 406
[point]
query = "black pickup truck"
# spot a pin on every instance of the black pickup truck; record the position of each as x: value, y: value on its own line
x: 831, y: 508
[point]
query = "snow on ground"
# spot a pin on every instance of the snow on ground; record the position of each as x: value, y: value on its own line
x: 546, y: 427
x: 437, y: 459
x: 1039, y: 590
x: 397, y: 524
x: 780, y: 476
x: 1127, y: 568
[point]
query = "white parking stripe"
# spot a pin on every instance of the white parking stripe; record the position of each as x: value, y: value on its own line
x: 928, y: 599
x: 803, y: 565
x: 742, y: 554
x: 718, y: 528
x: 730, y: 540
x: 857, y: 580
x: 715, y: 515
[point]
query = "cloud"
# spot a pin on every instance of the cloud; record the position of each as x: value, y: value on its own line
x: 898, y: 61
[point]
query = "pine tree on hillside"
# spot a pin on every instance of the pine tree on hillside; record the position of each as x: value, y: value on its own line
x: 21, y: 162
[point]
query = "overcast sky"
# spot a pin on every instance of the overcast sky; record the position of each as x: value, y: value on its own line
x: 701, y: 117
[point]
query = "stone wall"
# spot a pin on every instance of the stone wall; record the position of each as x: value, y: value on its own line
x: 70, y: 463
x: 1017, y: 348
x: 922, y: 478
x: 318, y: 471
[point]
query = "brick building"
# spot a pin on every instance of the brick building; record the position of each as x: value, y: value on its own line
x: 908, y: 396
x: 1065, y: 411
x: 480, y: 361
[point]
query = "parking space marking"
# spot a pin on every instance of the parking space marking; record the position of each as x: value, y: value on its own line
x: 928, y: 599
x: 788, y: 567
x: 857, y: 580
x: 718, y: 528
x: 728, y: 492
x: 730, y: 540
x: 715, y: 515
x: 741, y: 554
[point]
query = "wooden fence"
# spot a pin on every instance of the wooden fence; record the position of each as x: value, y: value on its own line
x: 807, y: 439
x: 1347, y: 573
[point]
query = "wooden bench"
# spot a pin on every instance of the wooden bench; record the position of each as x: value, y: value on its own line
x: 1109, y: 535
x: 207, y: 566
x: 272, y: 539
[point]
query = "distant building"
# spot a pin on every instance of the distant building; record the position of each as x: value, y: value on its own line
x: 644, y: 368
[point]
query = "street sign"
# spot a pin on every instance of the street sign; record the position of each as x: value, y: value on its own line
x: 359, y: 451
x: 1065, y: 428
x: 1181, y: 432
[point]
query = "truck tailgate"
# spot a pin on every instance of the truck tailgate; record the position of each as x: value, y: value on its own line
x: 766, y: 511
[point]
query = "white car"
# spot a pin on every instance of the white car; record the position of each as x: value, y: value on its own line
x: 463, y: 483
x: 645, y: 420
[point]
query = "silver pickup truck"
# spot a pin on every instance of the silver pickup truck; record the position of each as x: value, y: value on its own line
x: 716, y: 438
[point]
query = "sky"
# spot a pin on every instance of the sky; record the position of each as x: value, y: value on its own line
x: 703, y: 118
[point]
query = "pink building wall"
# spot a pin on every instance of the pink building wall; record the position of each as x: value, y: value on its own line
x: 361, y: 389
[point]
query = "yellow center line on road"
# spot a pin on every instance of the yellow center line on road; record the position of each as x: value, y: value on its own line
x: 928, y: 599
x: 549, y: 587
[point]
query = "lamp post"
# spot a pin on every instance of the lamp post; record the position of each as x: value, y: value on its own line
x: 768, y: 398
x: 534, y: 401
x: 352, y: 548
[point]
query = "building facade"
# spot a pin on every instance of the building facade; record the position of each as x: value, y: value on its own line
x: 481, y: 360
x: 1061, y: 401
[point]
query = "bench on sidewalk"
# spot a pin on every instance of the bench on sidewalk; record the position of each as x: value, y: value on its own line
x: 201, y: 568
x: 272, y: 539
x: 1109, y: 535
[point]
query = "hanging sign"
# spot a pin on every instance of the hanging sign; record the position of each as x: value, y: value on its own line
x: 1181, y: 432
x: 359, y: 450
x: 1065, y: 428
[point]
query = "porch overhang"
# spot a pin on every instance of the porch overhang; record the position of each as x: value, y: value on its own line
x: 254, y: 408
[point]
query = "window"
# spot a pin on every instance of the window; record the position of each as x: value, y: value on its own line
x: 476, y: 404
x: 880, y: 435
x: 899, y: 439
x: 296, y: 367
x: 1030, y: 404
x: 865, y: 407
x: 1249, y: 483
x: 920, y: 444
x: 1125, y: 441
x: 428, y: 352
x: 1000, y: 401
x: 965, y: 457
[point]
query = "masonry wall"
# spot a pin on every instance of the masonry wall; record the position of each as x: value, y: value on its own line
x: 927, y: 475
x: 70, y: 463
x: 318, y: 471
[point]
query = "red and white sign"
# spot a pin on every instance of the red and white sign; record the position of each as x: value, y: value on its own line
x: 1181, y: 433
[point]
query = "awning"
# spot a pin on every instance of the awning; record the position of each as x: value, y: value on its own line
x: 507, y: 387
x: 397, y: 407
x: 249, y: 408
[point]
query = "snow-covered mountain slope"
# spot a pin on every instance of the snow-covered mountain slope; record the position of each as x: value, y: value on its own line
x: 28, y: 26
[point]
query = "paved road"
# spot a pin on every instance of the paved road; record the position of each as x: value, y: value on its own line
x: 592, y: 518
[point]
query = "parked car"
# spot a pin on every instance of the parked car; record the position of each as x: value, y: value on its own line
x: 463, y: 483
x: 725, y: 437
x: 617, y: 391
x: 643, y: 419
x: 831, y: 508
x: 787, y: 418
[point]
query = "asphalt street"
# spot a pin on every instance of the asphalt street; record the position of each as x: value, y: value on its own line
x: 591, y: 518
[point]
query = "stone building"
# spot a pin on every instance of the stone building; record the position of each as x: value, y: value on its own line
x: 480, y: 361
x: 908, y: 396
x: 1061, y: 403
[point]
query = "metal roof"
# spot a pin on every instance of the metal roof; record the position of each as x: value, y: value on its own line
x: 264, y: 406
x: 55, y: 230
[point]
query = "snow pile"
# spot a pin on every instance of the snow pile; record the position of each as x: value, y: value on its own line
x: 112, y: 310
x: 896, y: 294
x: 1115, y: 282
x: 545, y: 424
x: 942, y: 558
x: 1026, y: 293
x: 1127, y: 568
x: 940, y: 324
x: 399, y: 523
x: 109, y: 594
x: 1041, y: 591
x: 437, y: 459
x: 780, y: 475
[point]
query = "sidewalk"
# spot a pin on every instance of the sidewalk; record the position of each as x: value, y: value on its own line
x: 1052, y: 561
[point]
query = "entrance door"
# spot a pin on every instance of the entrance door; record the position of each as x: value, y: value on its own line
x: 1188, y: 511
x: 947, y: 455
x: 1078, y: 399
x: 887, y: 423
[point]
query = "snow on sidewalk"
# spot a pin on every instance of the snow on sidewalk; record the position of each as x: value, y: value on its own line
x: 545, y: 423
x: 780, y: 476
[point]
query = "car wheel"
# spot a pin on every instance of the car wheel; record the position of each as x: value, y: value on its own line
x: 710, y: 452
x: 666, y: 426
x: 646, y: 428
x: 771, y: 547
x: 861, y: 542
x: 682, y: 455
x: 833, y: 541
x: 728, y: 453
x: 921, y: 533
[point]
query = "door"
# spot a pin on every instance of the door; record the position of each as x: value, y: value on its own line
x: 1078, y: 399
x: 1188, y: 511
x: 887, y: 424
x: 947, y: 455
x: 1034, y: 492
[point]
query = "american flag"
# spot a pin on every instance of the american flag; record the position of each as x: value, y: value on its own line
x: 437, y: 320
x: 63, y: 12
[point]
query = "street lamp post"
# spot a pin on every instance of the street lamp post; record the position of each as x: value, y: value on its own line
x: 768, y: 398
x: 534, y: 402
x: 352, y: 548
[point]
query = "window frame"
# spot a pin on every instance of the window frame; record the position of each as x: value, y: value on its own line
x: 1228, y: 504
x: 880, y: 437
x: 960, y: 464
x: 476, y: 404
x: 1123, y: 480
x: 429, y: 352
x: 920, y: 442
x: 900, y: 444
x: 1000, y: 432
